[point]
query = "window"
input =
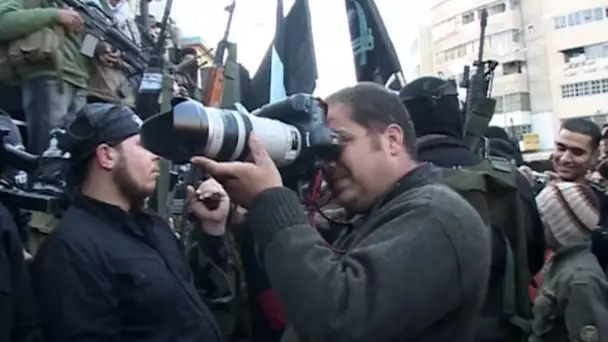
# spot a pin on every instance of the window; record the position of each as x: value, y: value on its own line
x: 589, y: 52
x: 604, y: 84
x: 587, y: 16
x: 586, y: 88
x: 574, y: 19
x: 510, y: 68
x: 598, y: 14
x: 514, y: 3
x: 559, y: 22
x: 497, y: 8
x: 468, y: 18
x: 573, y: 54
x: 567, y: 91
x: 516, y: 34
x: 513, y: 103
x: 581, y: 17
x: 596, y: 87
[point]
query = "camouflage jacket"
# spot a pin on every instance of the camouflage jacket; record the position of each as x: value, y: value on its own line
x: 572, y: 304
x: 218, y: 274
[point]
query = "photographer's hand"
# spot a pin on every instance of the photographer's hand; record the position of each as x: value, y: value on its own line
x: 243, y: 181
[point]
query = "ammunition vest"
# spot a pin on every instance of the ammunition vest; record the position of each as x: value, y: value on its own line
x: 43, y: 47
x: 490, y: 187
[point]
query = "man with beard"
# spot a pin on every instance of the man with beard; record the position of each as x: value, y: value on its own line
x: 413, y: 263
x: 111, y: 271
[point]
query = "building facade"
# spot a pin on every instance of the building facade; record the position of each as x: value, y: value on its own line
x: 552, y: 59
x: 420, y: 55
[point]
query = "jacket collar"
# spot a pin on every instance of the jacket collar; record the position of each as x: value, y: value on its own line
x: 419, y: 176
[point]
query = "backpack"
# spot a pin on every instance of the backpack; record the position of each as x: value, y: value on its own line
x: 490, y: 187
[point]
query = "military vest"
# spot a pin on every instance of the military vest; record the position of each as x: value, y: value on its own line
x: 490, y: 187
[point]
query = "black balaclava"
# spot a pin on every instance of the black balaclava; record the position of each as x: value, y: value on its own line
x: 433, y: 106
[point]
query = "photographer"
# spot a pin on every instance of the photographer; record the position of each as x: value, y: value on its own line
x: 397, y: 273
x: 109, y: 80
x: 111, y: 270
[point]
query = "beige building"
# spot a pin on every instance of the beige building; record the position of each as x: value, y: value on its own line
x: 420, y: 55
x: 552, y: 55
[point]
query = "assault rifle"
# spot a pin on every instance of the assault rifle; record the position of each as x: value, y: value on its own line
x: 100, y: 26
x: 479, y: 106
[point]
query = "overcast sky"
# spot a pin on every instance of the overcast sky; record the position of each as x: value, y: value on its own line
x: 253, y: 28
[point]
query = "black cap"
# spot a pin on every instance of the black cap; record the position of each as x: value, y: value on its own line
x: 100, y: 123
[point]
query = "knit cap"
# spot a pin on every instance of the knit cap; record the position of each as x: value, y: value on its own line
x: 570, y: 211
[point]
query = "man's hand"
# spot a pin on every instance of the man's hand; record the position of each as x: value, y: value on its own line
x: 213, y: 220
x: 244, y: 180
x: 110, y: 57
x: 70, y: 19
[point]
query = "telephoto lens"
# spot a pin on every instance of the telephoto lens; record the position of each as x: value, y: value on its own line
x: 221, y: 134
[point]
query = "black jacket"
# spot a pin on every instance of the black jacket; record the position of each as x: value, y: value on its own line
x: 18, y: 314
x: 105, y: 275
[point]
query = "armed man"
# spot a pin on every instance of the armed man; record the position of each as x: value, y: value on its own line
x: 186, y: 78
x: 52, y: 74
x: 396, y: 274
x: 109, y: 77
x: 434, y: 108
x: 111, y: 270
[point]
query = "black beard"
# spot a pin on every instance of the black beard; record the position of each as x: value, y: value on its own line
x: 129, y: 187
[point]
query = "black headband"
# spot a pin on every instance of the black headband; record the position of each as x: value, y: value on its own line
x: 100, y: 123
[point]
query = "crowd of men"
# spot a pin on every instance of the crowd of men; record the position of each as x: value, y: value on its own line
x: 419, y: 239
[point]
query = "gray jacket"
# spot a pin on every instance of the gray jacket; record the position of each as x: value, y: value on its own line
x: 415, y: 269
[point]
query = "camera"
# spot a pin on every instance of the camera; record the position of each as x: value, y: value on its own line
x: 293, y: 132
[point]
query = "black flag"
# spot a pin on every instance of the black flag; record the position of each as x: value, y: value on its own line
x: 289, y: 65
x: 375, y: 56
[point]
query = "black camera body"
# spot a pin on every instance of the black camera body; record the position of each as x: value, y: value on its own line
x: 320, y: 143
x: 293, y: 132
